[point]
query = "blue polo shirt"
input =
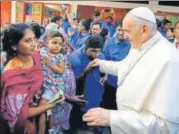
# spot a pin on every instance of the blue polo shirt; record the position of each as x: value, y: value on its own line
x: 115, y: 50
x: 110, y: 27
x: 163, y: 32
x: 81, y: 38
x: 73, y: 38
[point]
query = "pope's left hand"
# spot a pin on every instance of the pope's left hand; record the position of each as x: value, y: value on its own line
x: 97, y: 117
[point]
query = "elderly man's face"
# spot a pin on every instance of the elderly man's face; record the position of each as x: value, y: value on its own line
x: 136, y: 34
x: 176, y: 31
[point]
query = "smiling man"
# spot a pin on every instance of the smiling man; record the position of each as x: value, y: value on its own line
x: 115, y: 48
x: 148, y: 87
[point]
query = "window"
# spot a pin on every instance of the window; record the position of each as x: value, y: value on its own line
x: 169, y: 3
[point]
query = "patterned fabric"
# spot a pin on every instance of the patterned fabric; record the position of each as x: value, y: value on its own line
x: 15, y: 63
x: 61, y: 113
x: 21, y: 90
x: 53, y: 81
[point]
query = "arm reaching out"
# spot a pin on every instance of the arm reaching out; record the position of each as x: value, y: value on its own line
x: 59, y: 68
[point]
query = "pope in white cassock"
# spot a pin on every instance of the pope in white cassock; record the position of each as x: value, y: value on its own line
x: 148, y: 82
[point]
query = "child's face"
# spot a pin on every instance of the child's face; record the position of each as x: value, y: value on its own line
x: 55, y: 45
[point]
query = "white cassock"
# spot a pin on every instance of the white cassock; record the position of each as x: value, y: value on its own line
x: 148, y: 91
x: 175, y: 43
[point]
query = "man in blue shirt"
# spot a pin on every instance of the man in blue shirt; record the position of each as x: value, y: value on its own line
x: 83, y: 33
x: 96, y: 28
x: 97, y: 18
x: 166, y: 25
x: 116, y: 48
x: 88, y: 78
x: 110, y: 25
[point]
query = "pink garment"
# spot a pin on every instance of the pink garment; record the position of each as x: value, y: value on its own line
x: 19, y: 88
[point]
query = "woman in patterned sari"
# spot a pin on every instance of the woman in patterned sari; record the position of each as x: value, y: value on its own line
x: 22, y: 79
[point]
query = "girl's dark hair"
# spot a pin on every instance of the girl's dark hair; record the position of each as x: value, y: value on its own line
x: 35, y: 28
x: 53, y: 34
x: 86, y: 23
x: 12, y: 35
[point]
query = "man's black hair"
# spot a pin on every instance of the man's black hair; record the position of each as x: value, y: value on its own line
x: 93, y: 42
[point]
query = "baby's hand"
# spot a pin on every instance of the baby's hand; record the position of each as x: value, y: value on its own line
x: 46, y: 61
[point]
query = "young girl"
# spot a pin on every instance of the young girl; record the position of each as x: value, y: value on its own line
x: 53, y: 68
x: 21, y: 81
x: 61, y: 116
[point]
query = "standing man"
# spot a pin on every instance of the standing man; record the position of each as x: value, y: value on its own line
x: 110, y: 25
x: 116, y: 48
x: 96, y: 29
x: 83, y: 33
x: 97, y: 18
x: 166, y: 24
x: 148, y: 87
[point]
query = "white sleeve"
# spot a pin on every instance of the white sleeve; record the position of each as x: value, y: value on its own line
x: 116, y: 68
x: 109, y: 67
x: 131, y: 122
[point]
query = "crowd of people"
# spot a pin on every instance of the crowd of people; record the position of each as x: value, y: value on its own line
x: 43, y: 67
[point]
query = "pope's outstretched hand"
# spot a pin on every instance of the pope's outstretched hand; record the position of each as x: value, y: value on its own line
x: 95, y: 63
